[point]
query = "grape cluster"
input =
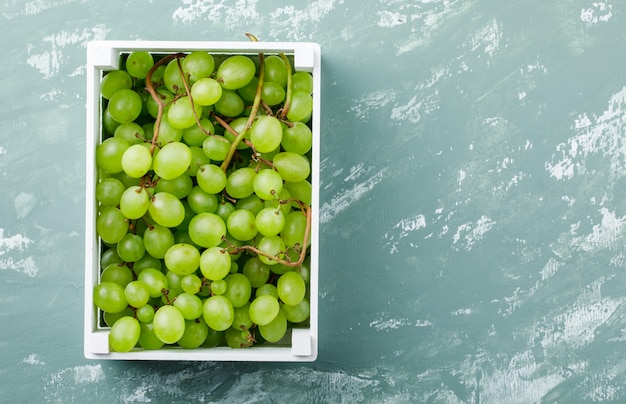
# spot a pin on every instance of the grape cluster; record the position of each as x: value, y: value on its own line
x: 204, y: 200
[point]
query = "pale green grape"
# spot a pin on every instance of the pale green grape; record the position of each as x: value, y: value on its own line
x: 301, y: 107
x: 191, y: 284
x: 198, y: 159
x: 297, y: 138
x: 240, y: 183
x: 235, y: 72
x: 173, y: 282
x: 275, y: 330
x: 182, y: 114
x: 294, y: 229
x: 147, y: 338
x: 194, y: 135
x: 157, y: 240
x: 239, y: 290
x: 195, y: 334
x: 109, y: 191
x: 136, y: 161
x: 216, y: 147
x: 272, y: 246
x: 168, y: 133
x: 266, y: 133
x: 256, y: 271
x: 275, y: 70
x: 238, y: 125
x: 291, y: 288
x: 218, y: 287
x: 137, y: 294
x: 124, y: 334
x: 302, y: 81
x: 109, y: 154
x: 190, y: 306
x: 269, y: 221
x: 169, y: 324
x: 109, y: 297
x: 165, y: 96
x: 131, y: 132
x: 182, y: 259
x: 297, y: 313
x: 113, y: 81
x: 125, y: 105
x: 201, y: 201
x: 267, y: 289
x: 130, y: 248
x: 272, y: 93
x: 224, y: 210
x: 180, y: 186
x: 166, y: 210
x: 198, y: 65
x: 242, y: 318
x: 291, y: 166
x: 206, y: 91
x: 215, y: 263
x: 241, y: 225
x: 230, y: 104
x: 264, y: 309
x: 207, y: 229
x: 155, y: 280
x: 218, y: 313
x: 147, y: 261
x: 173, y: 79
x: 139, y: 63
x: 145, y: 313
x: 111, y: 225
x: 172, y: 160
x: 252, y: 203
x: 211, y: 178
x: 268, y: 184
x: 300, y: 190
x: 117, y: 273
x: 134, y: 202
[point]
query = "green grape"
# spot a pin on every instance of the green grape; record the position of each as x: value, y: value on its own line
x: 302, y: 81
x: 198, y: 159
x: 201, y: 201
x: 145, y: 313
x: 238, y: 125
x: 173, y: 282
x: 130, y: 248
x: 117, y: 273
x: 297, y: 313
x: 147, y: 338
x: 207, y: 229
x: 213, y: 339
x: 252, y: 203
x: 194, y: 135
x: 294, y: 229
x: 190, y: 306
x: 139, y: 64
x: 182, y: 259
x: 269, y: 221
x: 276, y: 329
x: 266, y: 133
x: 157, y: 240
x: 111, y: 225
x: 191, y: 284
x: 240, y: 183
x: 137, y: 294
x: 264, y: 309
x: 172, y: 160
x: 267, y: 184
x: 134, y: 202
x: 242, y: 318
x: 109, y: 154
x: 195, y: 334
x: 182, y: 114
x: 284, y: 207
x: 127, y: 180
x: 166, y: 210
x: 206, y: 91
x: 155, y: 280
x: 248, y: 92
x: 291, y: 166
x: 224, y: 209
x: 109, y: 257
x: 235, y: 72
x: 291, y: 288
x: 109, y: 124
x: 111, y: 318
x: 256, y: 271
x: 169, y: 324
x: 109, y: 191
x: 291, y: 256
x: 216, y: 147
x: 241, y: 225
x: 109, y: 297
x: 218, y: 313
x: 272, y: 93
x: 239, y: 290
x: 297, y: 138
x: 301, y: 107
x: 300, y: 190
x: 165, y: 96
x: 237, y: 338
x: 113, y: 81
x: 136, y: 161
x: 173, y: 78
x: 230, y: 104
x: 305, y: 270
x: 218, y: 287
x: 124, y: 334
x: 215, y: 263
x: 131, y: 132
x: 189, y: 214
x: 267, y: 289
x: 179, y: 186
x: 198, y: 65
x: 211, y: 179
x: 272, y: 246
x: 168, y: 133
x: 275, y: 70
x: 125, y: 105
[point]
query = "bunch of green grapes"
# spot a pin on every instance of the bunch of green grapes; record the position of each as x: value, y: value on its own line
x: 204, y: 198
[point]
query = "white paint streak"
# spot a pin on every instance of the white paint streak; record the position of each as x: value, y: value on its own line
x: 388, y: 18
x: 16, y: 8
x: 16, y: 242
x: 469, y: 233
x: 33, y: 359
x: 598, y: 12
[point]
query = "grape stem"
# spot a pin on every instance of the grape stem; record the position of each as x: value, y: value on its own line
x: 285, y: 109
x: 155, y: 96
